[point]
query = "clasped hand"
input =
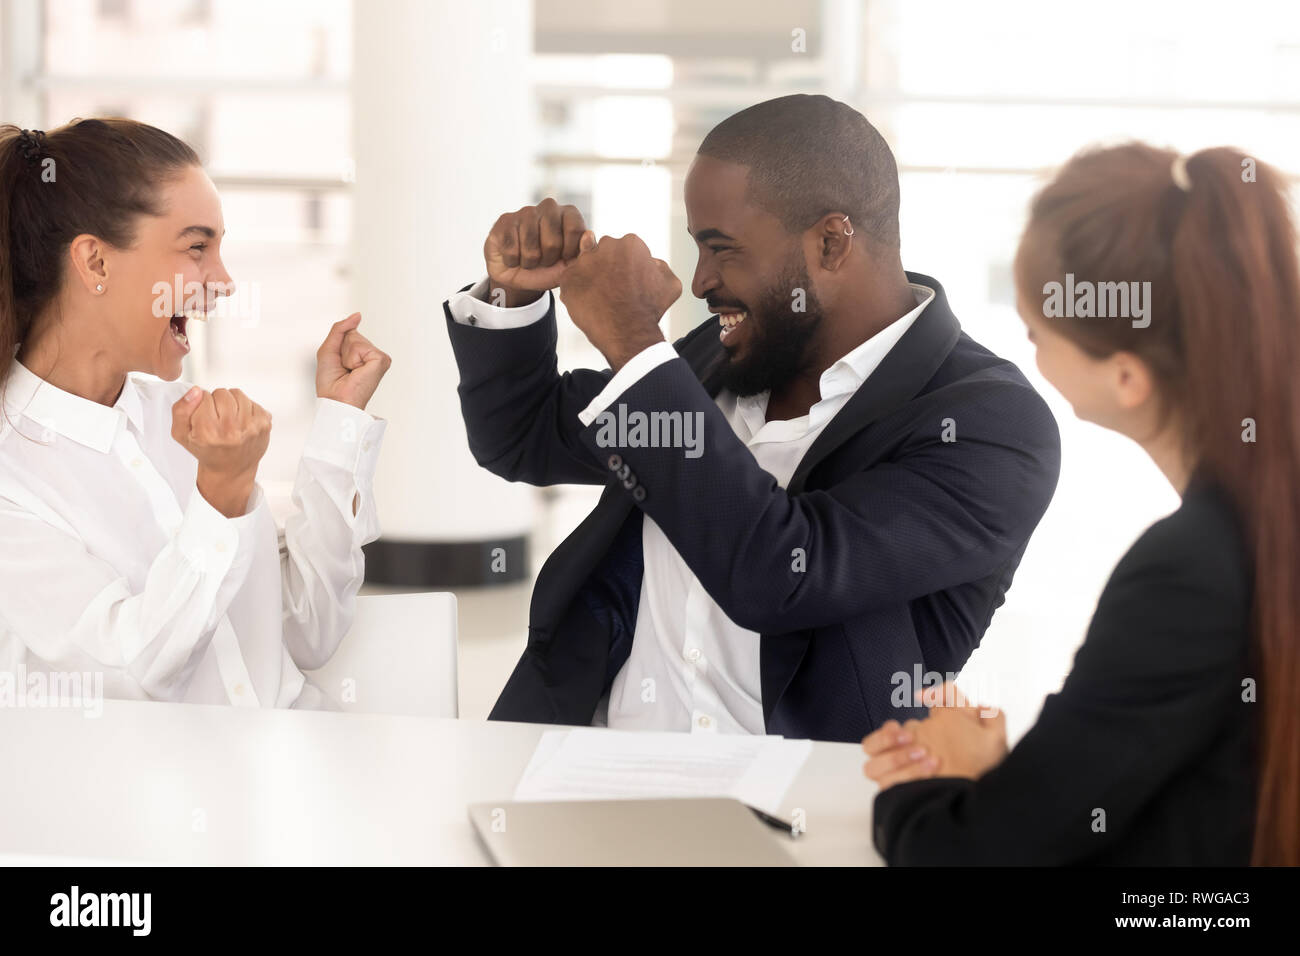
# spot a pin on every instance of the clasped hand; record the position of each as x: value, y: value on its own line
x: 957, y: 739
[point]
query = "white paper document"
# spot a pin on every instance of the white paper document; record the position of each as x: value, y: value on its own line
x: 616, y: 764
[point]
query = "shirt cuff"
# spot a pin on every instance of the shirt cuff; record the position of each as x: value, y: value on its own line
x: 345, y: 436
x: 209, y: 539
x: 472, y: 308
x: 641, y: 365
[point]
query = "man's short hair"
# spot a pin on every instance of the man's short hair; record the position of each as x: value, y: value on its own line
x: 811, y: 155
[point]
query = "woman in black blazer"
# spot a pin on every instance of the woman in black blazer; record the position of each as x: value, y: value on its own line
x: 1174, y: 738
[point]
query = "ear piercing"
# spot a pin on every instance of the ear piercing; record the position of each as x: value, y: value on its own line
x: 99, y: 287
x: 848, y: 227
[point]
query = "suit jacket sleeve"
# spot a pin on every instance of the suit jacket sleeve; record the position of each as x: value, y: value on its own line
x: 938, y: 514
x: 1157, y: 677
x: 521, y: 414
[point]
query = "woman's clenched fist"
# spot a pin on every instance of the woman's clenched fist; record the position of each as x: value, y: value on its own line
x: 348, y: 365
x: 227, y: 433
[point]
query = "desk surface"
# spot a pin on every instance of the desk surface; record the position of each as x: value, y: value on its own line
x: 188, y: 783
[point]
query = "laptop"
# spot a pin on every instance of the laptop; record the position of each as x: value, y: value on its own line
x: 676, y: 832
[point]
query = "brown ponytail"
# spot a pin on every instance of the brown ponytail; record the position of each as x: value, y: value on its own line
x: 90, y: 176
x: 1224, y: 344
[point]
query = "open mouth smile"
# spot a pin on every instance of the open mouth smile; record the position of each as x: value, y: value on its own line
x: 178, y: 324
x: 729, y: 322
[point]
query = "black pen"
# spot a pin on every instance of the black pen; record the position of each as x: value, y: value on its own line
x: 776, y: 823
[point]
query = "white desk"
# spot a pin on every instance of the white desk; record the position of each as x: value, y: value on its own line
x: 188, y: 783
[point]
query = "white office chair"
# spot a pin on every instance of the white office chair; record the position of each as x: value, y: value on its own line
x: 398, y: 658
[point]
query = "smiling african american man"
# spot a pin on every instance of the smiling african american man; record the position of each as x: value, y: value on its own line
x: 824, y: 486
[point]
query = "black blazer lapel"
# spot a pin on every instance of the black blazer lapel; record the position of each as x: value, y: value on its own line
x: 909, y: 365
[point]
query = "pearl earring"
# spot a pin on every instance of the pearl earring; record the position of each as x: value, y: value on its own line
x: 99, y: 287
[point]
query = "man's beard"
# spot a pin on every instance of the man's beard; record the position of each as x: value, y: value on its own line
x: 780, y: 339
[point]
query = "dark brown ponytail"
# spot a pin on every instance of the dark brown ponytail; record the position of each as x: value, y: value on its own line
x: 90, y: 176
x: 1224, y: 343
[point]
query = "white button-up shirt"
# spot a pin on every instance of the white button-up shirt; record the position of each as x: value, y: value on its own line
x: 691, y: 667
x: 112, y: 563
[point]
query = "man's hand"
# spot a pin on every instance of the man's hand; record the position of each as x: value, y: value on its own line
x: 348, y: 366
x: 527, y: 251
x: 616, y: 293
x: 228, y: 433
x: 955, y: 740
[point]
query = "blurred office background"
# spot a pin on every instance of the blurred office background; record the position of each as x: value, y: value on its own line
x: 363, y: 149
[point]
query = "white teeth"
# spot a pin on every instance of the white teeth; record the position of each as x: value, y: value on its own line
x: 196, y: 314
x: 732, y: 319
x: 180, y: 337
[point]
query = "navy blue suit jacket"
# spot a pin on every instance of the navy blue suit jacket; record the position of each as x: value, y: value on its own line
x: 909, y: 538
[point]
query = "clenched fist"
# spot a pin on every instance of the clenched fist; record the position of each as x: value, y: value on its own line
x: 228, y: 433
x: 528, y: 250
x: 348, y: 366
x: 616, y: 293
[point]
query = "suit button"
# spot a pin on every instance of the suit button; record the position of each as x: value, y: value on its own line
x: 638, y: 493
x: 615, y: 462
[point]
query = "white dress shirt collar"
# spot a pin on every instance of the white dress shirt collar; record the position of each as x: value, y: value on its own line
x: 847, y: 374
x: 70, y: 416
x: 843, y: 378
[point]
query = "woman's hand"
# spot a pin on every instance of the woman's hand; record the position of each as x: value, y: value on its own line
x: 348, y: 366
x: 227, y: 433
x: 957, y: 739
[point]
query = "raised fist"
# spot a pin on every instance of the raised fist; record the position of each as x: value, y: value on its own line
x: 527, y: 251
x: 228, y: 434
x: 348, y: 366
x: 616, y: 293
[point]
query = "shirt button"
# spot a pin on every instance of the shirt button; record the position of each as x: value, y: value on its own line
x: 365, y: 445
x: 473, y: 320
x: 693, y: 655
x: 136, y: 462
x: 221, y: 547
x: 239, y: 690
x: 705, y: 721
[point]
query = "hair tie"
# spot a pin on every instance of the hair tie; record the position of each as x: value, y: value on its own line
x: 30, y: 144
x: 1179, y: 171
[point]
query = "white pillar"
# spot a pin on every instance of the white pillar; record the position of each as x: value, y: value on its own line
x: 443, y: 144
x: 21, y: 43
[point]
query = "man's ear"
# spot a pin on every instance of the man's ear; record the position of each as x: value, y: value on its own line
x: 87, y: 254
x: 833, y: 234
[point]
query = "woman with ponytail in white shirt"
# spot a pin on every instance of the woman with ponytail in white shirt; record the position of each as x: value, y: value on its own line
x: 134, y: 541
